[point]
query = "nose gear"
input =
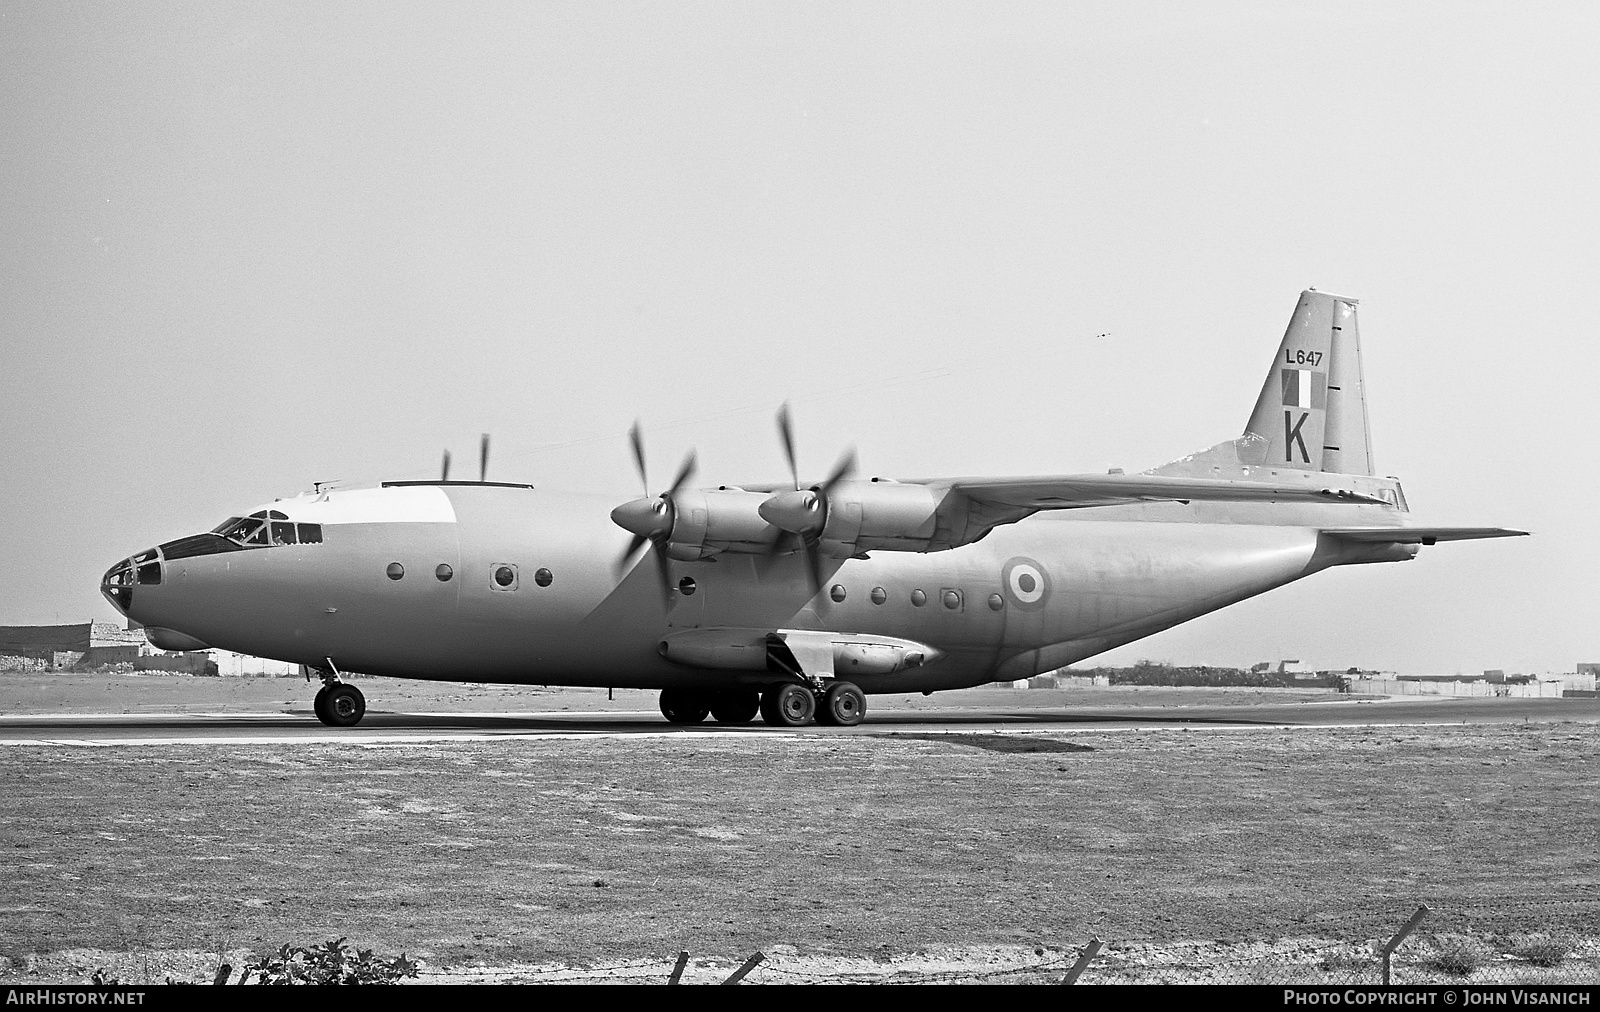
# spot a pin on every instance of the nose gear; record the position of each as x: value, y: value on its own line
x: 337, y: 703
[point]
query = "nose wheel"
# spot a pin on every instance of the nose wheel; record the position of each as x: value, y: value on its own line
x: 340, y: 704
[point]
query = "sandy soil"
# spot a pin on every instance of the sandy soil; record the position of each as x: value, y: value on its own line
x: 859, y: 854
x: 1260, y: 856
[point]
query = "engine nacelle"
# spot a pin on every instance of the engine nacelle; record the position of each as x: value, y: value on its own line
x: 867, y: 515
x: 708, y: 522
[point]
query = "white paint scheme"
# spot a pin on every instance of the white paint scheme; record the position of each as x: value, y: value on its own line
x: 417, y: 504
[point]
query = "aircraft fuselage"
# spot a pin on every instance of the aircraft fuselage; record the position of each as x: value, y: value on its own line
x: 1030, y: 597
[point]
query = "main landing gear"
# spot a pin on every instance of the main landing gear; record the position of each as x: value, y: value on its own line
x: 337, y: 703
x: 685, y: 706
x: 841, y: 704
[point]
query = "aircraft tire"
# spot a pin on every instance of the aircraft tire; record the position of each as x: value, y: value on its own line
x: 682, y: 707
x: 319, y: 705
x: 844, y: 705
x: 735, y: 707
x: 345, y: 705
x: 788, y: 705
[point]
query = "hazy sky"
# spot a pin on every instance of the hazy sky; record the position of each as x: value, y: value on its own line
x: 248, y: 247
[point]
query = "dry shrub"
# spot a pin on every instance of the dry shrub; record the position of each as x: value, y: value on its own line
x: 1540, y: 950
x: 1347, y: 961
x: 1457, y: 955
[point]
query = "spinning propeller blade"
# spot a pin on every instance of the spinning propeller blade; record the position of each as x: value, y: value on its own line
x: 444, y: 472
x: 483, y: 458
x: 638, y: 454
x: 786, y: 433
x: 803, y: 513
x: 652, y: 517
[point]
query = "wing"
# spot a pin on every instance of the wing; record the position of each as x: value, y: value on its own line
x: 1075, y: 491
x: 1418, y: 535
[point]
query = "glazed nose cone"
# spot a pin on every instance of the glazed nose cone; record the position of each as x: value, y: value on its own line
x: 117, y: 585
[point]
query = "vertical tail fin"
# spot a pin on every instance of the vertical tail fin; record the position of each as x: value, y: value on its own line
x: 1312, y: 412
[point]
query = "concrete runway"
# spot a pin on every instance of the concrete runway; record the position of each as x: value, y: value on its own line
x: 87, y: 729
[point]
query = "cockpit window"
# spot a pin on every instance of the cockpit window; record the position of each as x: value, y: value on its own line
x: 241, y: 530
x: 268, y: 528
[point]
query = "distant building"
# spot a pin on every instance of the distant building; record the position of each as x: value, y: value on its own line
x: 92, y: 644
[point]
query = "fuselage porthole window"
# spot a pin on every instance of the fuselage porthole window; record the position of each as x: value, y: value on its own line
x: 443, y: 572
x: 996, y: 602
x: 395, y: 571
x: 918, y: 598
x: 879, y: 595
x: 543, y: 577
x: 837, y: 592
x: 505, y: 577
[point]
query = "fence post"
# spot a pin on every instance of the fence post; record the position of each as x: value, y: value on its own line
x: 223, y: 972
x: 677, y: 969
x: 749, y: 964
x: 1089, y: 952
x: 1400, y: 936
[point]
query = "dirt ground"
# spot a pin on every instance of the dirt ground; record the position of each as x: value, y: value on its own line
x: 1212, y: 855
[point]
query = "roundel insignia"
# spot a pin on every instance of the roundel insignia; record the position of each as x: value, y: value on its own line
x: 1026, y: 583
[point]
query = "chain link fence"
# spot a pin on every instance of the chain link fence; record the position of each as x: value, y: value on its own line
x: 1415, y: 957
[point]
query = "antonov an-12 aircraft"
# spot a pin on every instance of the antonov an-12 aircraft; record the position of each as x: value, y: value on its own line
x: 792, y: 601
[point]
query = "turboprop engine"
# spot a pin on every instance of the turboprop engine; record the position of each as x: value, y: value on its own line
x: 699, y: 523
x: 853, y: 517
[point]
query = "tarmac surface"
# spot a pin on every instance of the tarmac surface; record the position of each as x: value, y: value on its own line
x: 403, y: 728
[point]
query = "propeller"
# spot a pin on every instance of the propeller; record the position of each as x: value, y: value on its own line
x: 804, y: 511
x: 483, y: 458
x: 650, y: 519
x: 444, y: 472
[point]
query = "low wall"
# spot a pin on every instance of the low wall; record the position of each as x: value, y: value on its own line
x: 1412, y: 687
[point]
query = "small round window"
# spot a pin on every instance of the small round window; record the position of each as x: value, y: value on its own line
x: 395, y: 571
x: 996, y: 602
x: 879, y: 595
x: 952, y: 599
x: 444, y: 572
x: 837, y: 592
x: 505, y: 576
x: 687, y: 586
x: 543, y: 577
x: 918, y: 598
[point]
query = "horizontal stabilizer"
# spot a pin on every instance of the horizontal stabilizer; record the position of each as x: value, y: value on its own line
x: 1080, y: 490
x: 1418, y: 535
